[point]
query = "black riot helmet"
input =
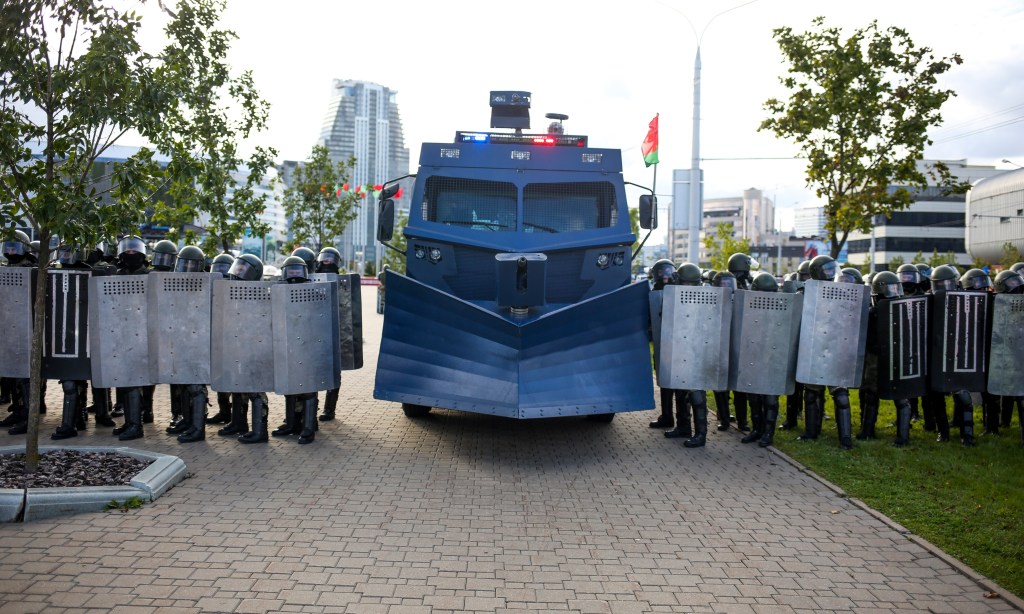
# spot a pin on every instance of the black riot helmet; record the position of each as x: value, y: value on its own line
x: 764, y: 282
x: 307, y: 256
x: 293, y: 270
x: 69, y: 254
x: 16, y: 247
x: 246, y: 267
x: 886, y: 284
x: 944, y: 278
x: 164, y: 253
x: 328, y: 261
x: 131, y: 252
x: 688, y: 274
x: 850, y: 275
x: 222, y: 264
x: 724, y: 279
x: 1017, y: 267
x: 740, y: 265
x: 910, y: 277
x: 1009, y: 282
x: 804, y: 271
x: 925, y: 271
x: 661, y: 273
x: 191, y: 259
x: 976, y: 280
x: 707, y: 275
x: 823, y: 268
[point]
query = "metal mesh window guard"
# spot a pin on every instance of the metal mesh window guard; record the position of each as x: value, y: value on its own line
x: 568, y: 207
x: 489, y: 206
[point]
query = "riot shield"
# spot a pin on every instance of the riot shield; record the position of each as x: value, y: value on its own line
x: 903, y: 347
x: 695, y: 331
x: 16, y: 285
x: 241, y: 337
x: 118, y: 339
x: 1006, y: 358
x: 350, y: 318
x: 833, y: 334
x: 179, y: 327
x: 305, y: 320
x: 66, y: 340
x: 959, y: 341
x: 655, y: 298
x: 763, y: 342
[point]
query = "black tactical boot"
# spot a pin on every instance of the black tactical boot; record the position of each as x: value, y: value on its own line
x: 903, y: 411
x: 118, y: 409
x: 330, y: 405
x: 794, y: 407
x: 722, y: 409
x: 740, y: 399
x: 700, y: 420
x: 223, y: 415
x: 308, y: 420
x: 812, y: 415
x: 868, y: 414
x: 756, y: 417
x: 132, y: 415
x: 101, y: 405
x: 181, y: 410
x: 239, y: 418
x: 258, y: 434
x: 69, y: 414
x: 844, y: 418
x: 291, y: 420
x: 963, y: 406
x: 665, y: 420
x: 147, y: 404
x: 196, y: 394
x: 771, y: 418
x: 683, y: 428
x: 1006, y: 411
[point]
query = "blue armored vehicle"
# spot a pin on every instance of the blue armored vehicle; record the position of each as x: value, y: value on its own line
x: 517, y: 299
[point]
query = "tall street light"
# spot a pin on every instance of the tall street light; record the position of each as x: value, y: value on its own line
x: 696, y: 202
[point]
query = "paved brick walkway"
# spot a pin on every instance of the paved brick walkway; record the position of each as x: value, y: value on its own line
x: 460, y: 512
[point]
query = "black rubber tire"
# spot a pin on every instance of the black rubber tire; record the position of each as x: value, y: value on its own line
x: 602, y: 418
x: 415, y: 411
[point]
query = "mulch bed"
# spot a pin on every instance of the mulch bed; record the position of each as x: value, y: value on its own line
x: 64, y: 468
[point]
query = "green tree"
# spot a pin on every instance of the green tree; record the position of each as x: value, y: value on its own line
x: 918, y: 257
x: 75, y: 80
x: 722, y: 244
x: 896, y: 262
x: 392, y: 259
x: 938, y: 259
x: 859, y: 110
x: 1010, y: 256
x: 319, y: 207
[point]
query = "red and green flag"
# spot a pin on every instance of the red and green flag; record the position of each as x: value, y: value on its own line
x: 650, y: 145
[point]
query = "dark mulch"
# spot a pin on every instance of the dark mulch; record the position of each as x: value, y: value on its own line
x: 70, y: 468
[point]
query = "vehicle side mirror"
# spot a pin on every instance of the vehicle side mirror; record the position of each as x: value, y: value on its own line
x: 385, y: 220
x: 648, y: 211
x: 389, y: 191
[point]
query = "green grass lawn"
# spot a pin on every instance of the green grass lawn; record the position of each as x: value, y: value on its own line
x: 967, y: 501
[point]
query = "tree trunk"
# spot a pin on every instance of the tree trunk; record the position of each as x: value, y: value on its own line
x: 36, y: 360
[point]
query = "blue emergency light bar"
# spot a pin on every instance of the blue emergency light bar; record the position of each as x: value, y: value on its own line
x: 504, y: 138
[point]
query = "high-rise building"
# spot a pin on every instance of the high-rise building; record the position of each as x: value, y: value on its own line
x: 809, y: 222
x: 362, y: 120
x: 752, y: 216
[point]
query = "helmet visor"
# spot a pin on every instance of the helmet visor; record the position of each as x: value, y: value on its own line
x: 1014, y: 284
x: 188, y: 265
x: 161, y: 259
x: 131, y: 244
x: 66, y: 255
x: 242, y: 270
x: 829, y: 270
x: 909, y: 278
x: 220, y: 267
x: 294, y: 271
x: 889, y: 290
x: 980, y: 282
x: 847, y: 278
x: 327, y: 258
x: 939, y: 285
x: 14, y: 248
x: 726, y: 282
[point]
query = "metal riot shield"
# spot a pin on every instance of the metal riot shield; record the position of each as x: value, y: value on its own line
x: 1006, y: 357
x: 118, y: 339
x: 655, y: 299
x: 903, y: 347
x: 763, y: 342
x: 350, y: 318
x: 833, y: 334
x: 16, y: 285
x: 179, y: 327
x: 305, y: 320
x: 241, y: 337
x: 959, y: 341
x: 66, y: 340
x: 695, y: 331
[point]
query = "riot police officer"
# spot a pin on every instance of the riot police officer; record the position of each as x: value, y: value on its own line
x: 191, y: 397
x: 329, y: 261
x: 723, y: 279
x: 661, y: 274
x: 18, y: 254
x: 164, y: 255
x: 885, y: 285
x: 247, y: 267
x: 795, y: 401
x: 764, y: 408
x: 824, y: 268
x: 74, y: 416
x: 307, y: 256
x: 974, y: 280
x: 293, y: 271
x: 688, y: 274
x: 131, y: 260
x: 221, y: 265
x: 943, y: 278
x: 740, y: 265
x: 1011, y: 282
x: 803, y: 270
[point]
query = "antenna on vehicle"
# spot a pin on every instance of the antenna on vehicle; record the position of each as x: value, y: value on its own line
x: 556, y: 126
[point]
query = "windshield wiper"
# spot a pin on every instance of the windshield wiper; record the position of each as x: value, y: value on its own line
x: 490, y: 225
x: 539, y: 227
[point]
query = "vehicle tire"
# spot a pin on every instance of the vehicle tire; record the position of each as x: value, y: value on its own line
x: 415, y: 411
x: 602, y: 418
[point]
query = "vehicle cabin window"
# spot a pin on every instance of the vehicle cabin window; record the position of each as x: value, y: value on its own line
x: 471, y: 203
x: 568, y: 207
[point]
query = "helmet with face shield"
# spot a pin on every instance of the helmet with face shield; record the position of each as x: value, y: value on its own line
x: 886, y: 284
x: 191, y: 259
x: 293, y: 270
x: 246, y: 267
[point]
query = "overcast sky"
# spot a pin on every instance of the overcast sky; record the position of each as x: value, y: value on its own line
x: 611, y: 66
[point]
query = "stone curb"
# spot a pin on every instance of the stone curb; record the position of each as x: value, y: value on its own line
x: 956, y: 564
x: 161, y: 475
